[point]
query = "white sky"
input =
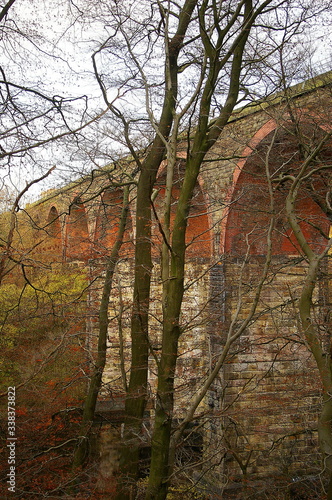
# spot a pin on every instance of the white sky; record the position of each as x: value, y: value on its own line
x: 60, y: 63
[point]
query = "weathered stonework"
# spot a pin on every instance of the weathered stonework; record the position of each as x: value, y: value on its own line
x: 263, y: 405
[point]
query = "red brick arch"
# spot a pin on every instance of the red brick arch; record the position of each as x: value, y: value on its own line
x: 107, y: 225
x: 199, y: 233
x: 48, y: 236
x: 53, y: 226
x: 247, y: 217
x: 78, y: 245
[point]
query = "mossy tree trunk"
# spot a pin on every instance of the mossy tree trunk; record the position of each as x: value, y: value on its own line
x: 137, y: 388
x: 305, y: 307
x: 82, y: 449
x: 173, y: 290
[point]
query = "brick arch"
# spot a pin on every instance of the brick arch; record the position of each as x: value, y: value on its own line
x: 53, y: 244
x: 47, y: 235
x: 266, y: 129
x: 53, y: 226
x: 107, y: 224
x: 198, y: 234
x: 78, y: 245
x: 247, y: 218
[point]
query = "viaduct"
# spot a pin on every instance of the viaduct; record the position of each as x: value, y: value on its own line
x: 266, y: 397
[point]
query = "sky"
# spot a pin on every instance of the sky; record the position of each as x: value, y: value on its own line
x: 55, y: 58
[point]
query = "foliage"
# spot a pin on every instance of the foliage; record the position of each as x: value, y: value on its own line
x: 39, y: 319
x: 214, y: 55
x: 43, y: 344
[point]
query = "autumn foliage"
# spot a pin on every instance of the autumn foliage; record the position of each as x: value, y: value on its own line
x: 44, y: 339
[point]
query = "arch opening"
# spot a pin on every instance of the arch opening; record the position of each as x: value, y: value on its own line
x: 279, y: 154
x: 107, y: 225
x: 78, y: 245
x: 53, y: 223
x: 198, y: 233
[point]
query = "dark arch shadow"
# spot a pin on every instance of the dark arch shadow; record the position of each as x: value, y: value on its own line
x: 198, y: 234
x: 250, y: 209
x: 78, y: 245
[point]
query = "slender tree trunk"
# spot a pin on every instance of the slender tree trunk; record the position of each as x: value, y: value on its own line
x: 158, y: 480
x: 137, y: 389
x: 173, y: 292
x: 89, y: 408
x: 323, y: 359
x: 324, y: 364
x: 5, y: 9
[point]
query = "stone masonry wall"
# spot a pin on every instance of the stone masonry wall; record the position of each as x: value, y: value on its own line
x: 263, y: 404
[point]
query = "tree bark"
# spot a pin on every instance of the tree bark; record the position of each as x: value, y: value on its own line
x: 204, y: 138
x: 137, y: 389
x: 89, y: 408
x: 5, y: 9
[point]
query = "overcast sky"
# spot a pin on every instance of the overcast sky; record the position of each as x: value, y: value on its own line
x: 56, y: 58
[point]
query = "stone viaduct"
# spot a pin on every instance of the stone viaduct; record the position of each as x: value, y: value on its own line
x: 263, y: 406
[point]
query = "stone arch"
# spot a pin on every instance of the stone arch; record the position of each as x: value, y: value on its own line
x: 198, y: 234
x: 272, y: 339
x: 247, y: 218
x: 54, y: 239
x: 46, y: 234
x: 78, y: 245
x: 107, y: 224
x: 53, y: 223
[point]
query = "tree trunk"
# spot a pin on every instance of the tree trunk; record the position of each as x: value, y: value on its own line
x: 89, y: 408
x: 309, y: 329
x: 204, y: 139
x: 137, y: 389
x: 324, y: 364
x: 158, y: 480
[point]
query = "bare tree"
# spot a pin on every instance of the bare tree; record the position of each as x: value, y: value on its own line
x: 296, y: 155
x: 313, y: 177
x: 213, y: 45
x: 95, y: 382
x: 212, y: 54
